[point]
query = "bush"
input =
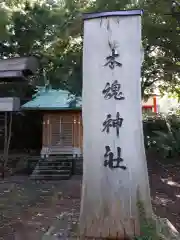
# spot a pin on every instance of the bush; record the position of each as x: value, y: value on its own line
x: 162, y: 133
x: 151, y: 124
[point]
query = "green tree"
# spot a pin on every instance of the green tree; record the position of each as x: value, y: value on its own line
x: 48, y: 31
x: 161, y: 43
x: 53, y: 31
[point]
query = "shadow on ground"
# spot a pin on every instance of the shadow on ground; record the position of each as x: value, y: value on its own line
x: 28, y: 209
x: 165, y: 191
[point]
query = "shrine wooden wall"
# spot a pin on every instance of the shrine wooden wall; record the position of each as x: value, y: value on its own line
x: 62, y: 129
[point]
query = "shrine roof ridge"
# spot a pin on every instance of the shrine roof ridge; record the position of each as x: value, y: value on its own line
x: 122, y: 13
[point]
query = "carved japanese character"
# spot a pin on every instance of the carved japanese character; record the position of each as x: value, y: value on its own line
x: 114, y: 123
x: 113, y: 90
x: 112, y: 162
x: 111, y: 59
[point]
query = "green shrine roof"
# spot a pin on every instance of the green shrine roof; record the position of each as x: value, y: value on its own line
x: 50, y: 99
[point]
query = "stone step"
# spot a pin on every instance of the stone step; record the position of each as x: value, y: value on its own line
x: 51, y: 177
x: 59, y: 159
x: 65, y: 163
x: 55, y: 168
x: 51, y: 172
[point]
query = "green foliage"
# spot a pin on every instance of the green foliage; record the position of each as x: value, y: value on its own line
x: 3, y: 23
x: 169, y: 142
x: 151, y: 124
x: 147, y: 226
x: 160, y: 41
x: 53, y: 31
x: 162, y: 133
x: 154, y: 228
x: 48, y: 31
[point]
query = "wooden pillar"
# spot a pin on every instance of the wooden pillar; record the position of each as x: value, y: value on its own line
x: 79, y: 131
x: 49, y: 130
x: 155, y: 104
x: 75, y: 137
x: 115, y: 176
x: 44, y: 131
x: 73, y: 131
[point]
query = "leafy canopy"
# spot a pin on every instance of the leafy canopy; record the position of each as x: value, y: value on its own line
x: 53, y: 31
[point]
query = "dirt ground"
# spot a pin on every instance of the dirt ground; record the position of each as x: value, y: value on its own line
x: 29, y: 209
x: 165, y: 191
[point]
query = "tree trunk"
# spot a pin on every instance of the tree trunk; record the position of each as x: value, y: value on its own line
x: 115, y: 179
x: 7, y: 140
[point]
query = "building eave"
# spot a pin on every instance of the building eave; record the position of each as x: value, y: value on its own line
x: 49, y: 109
